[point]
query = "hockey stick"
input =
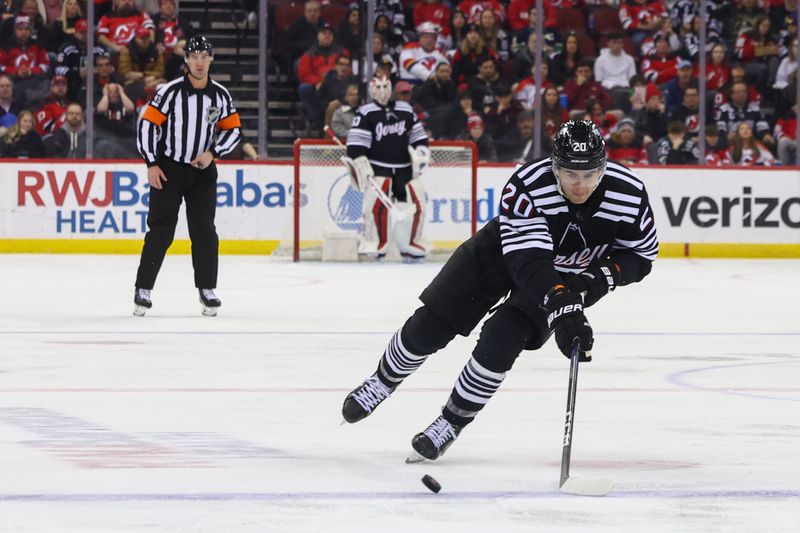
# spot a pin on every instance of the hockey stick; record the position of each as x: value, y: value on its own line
x: 570, y: 485
x: 397, y: 213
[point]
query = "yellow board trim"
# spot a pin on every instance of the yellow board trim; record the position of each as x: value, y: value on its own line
x: 267, y: 247
x: 126, y: 246
x: 729, y: 250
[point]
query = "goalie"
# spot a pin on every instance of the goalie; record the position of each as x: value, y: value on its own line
x: 389, y: 151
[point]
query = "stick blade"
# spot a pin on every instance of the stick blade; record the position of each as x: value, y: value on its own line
x: 587, y: 486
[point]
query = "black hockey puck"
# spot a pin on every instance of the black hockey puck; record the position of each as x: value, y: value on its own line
x: 431, y: 483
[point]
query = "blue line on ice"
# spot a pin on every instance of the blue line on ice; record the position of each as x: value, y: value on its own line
x: 752, y: 494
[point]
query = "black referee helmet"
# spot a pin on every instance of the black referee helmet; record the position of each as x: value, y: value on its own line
x: 198, y: 44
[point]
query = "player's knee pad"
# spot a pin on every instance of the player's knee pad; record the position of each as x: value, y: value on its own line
x: 375, y: 237
x: 503, y: 337
x: 425, y: 332
x: 408, y: 230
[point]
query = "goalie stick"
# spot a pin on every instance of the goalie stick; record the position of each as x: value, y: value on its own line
x: 570, y: 485
x: 395, y: 212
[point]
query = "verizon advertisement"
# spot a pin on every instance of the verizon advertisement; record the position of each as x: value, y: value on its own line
x: 94, y: 201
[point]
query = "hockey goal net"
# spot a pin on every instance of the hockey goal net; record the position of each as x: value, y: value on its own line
x: 325, y: 203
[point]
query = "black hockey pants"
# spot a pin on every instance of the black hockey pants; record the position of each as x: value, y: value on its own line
x: 199, y: 188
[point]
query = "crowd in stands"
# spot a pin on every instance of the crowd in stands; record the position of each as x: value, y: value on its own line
x: 466, y: 66
x: 631, y: 66
x: 43, y: 55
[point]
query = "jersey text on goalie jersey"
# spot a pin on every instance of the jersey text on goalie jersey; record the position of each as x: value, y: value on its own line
x: 382, y: 130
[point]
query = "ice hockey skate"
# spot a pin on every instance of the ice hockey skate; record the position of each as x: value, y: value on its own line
x: 141, y: 301
x: 434, y: 441
x: 209, y: 302
x: 360, y: 403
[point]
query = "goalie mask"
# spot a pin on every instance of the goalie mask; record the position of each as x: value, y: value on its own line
x: 579, y: 159
x: 380, y: 90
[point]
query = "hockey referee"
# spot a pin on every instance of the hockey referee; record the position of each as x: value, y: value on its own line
x: 189, y: 122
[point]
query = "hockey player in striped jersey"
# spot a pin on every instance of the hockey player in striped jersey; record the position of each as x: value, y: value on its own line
x: 389, y: 151
x: 572, y: 227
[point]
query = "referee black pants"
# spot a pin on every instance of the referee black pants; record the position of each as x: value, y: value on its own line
x: 199, y: 188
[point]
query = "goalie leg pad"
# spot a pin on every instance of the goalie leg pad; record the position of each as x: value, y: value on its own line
x: 408, y: 231
x: 375, y: 237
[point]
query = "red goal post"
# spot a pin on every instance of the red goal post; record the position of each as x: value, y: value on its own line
x: 324, y: 201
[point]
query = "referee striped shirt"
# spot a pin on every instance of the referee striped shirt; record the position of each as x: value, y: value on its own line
x: 181, y: 122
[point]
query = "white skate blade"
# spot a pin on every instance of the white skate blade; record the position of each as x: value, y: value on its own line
x: 209, y: 311
x: 414, y: 457
x: 139, y: 310
x: 587, y: 486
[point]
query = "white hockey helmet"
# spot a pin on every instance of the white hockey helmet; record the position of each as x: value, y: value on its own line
x: 380, y: 90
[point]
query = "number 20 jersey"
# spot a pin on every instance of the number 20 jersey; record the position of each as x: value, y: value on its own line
x: 542, y: 235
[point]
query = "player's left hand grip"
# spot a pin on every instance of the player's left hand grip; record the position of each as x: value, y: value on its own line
x: 565, y: 315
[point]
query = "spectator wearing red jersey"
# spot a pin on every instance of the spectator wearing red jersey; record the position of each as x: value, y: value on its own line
x: 474, y: 8
x: 746, y: 151
x: 519, y: 14
x: 583, y: 86
x: 737, y: 75
x: 311, y: 70
x: 470, y: 52
x: 118, y: 28
x: 625, y: 146
x: 435, y: 12
x: 641, y: 18
x: 651, y: 120
x: 53, y: 113
x: 786, y: 135
x: 718, y: 73
x: 27, y: 63
x: 648, y: 46
x: 525, y: 91
x: 170, y: 28
x: 715, y: 147
x: 661, y: 66
x: 758, y: 50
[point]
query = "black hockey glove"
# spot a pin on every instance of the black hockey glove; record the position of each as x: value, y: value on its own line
x: 595, y: 282
x: 565, y: 316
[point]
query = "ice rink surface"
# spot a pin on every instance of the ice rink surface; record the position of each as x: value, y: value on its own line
x: 178, y: 422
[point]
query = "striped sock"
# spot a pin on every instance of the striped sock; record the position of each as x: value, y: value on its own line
x: 397, y: 362
x: 475, y: 387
